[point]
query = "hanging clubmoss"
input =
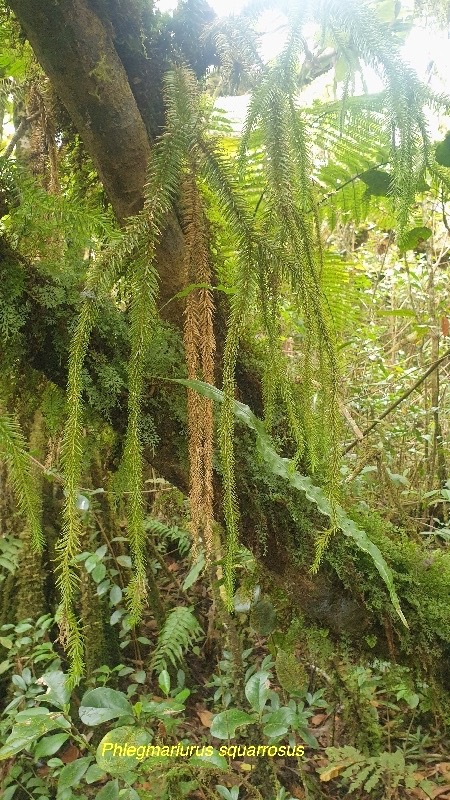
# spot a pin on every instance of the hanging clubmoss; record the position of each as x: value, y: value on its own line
x: 30, y: 569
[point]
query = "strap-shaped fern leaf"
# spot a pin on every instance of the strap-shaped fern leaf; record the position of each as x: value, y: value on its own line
x: 284, y: 469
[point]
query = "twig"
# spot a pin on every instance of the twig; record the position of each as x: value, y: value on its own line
x: 347, y: 182
x: 404, y: 396
x: 24, y: 123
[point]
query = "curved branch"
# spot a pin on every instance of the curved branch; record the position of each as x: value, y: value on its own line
x: 399, y: 400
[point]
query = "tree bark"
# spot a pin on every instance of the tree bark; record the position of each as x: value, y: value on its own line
x: 75, y: 49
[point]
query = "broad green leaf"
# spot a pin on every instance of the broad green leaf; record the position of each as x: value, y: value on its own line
x: 214, y: 760
x: 278, y: 722
x: 308, y: 738
x: 110, y: 791
x: 72, y: 773
x: 27, y: 731
x: 115, y: 594
x: 411, y: 239
x: 58, y: 692
x: 378, y: 182
x: 122, y: 749
x: 102, y: 704
x: 94, y: 773
x: 164, y: 681
x: 55, y: 762
x: 129, y: 794
x: 257, y: 690
x: 224, y: 725
x: 103, y: 587
x: 98, y: 573
x: 23, y: 627
x: 91, y: 563
x: 228, y: 794
x: 50, y: 745
x: 36, y: 711
x: 124, y: 561
x: 284, y: 468
x: 442, y: 152
x: 116, y: 616
x: 275, y: 729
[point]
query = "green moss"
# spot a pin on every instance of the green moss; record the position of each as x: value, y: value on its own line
x: 30, y: 579
x: 421, y: 577
x: 92, y: 613
x: 290, y: 673
x: 263, y: 618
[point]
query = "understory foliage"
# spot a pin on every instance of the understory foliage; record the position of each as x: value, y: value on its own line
x: 270, y: 192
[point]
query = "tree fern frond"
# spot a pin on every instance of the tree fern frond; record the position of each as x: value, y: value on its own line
x: 237, y: 47
x: 404, y: 93
x: 340, y: 291
x: 358, y: 35
x: 344, y: 154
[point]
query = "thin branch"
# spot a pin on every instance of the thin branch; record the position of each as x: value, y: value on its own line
x: 24, y: 123
x: 347, y: 182
x: 403, y: 397
x: 444, y: 215
x: 259, y: 201
x: 327, y: 196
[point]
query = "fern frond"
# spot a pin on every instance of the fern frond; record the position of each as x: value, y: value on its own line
x: 347, y: 147
x: 340, y: 292
x: 180, y: 631
x: 237, y: 46
x: 405, y: 96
